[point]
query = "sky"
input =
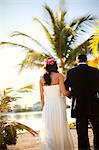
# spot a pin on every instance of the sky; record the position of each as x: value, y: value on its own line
x: 17, y: 15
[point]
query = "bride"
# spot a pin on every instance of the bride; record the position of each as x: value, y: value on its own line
x: 55, y: 133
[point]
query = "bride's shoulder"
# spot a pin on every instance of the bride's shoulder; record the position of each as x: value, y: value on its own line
x: 61, y: 75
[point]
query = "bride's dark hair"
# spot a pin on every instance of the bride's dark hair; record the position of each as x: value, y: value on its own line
x: 50, y: 66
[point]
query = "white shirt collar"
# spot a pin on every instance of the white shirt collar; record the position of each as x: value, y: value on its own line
x: 82, y: 63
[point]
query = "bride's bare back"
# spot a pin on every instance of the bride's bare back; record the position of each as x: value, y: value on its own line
x: 56, y: 78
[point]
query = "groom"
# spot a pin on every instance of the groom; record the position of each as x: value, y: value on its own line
x: 83, y: 83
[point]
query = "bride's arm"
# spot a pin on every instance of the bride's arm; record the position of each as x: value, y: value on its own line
x: 41, y: 94
x: 62, y: 86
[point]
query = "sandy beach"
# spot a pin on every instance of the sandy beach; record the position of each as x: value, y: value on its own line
x: 26, y: 141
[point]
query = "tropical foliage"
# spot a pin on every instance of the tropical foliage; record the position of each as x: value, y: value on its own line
x: 8, y: 133
x: 94, y: 62
x: 62, y: 37
x: 94, y: 46
x: 94, y: 42
x: 7, y: 130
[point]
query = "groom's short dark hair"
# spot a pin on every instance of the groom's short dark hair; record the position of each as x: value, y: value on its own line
x: 82, y: 58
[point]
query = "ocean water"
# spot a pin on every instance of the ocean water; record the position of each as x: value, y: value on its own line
x: 31, y: 119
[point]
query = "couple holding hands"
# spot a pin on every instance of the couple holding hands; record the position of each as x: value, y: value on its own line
x: 82, y: 86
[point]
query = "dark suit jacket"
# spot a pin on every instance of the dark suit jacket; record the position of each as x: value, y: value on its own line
x: 83, y: 81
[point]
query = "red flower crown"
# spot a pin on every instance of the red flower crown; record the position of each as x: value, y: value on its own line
x: 50, y: 61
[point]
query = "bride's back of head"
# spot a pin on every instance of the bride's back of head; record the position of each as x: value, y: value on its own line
x: 50, y: 65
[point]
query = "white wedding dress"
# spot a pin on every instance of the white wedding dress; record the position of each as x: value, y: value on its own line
x: 55, y: 133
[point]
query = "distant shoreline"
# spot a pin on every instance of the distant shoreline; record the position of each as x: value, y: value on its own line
x: 32, y: 118
x: 7, y: 113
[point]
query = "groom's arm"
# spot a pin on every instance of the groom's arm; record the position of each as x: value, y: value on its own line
x: 98, y: 79
x: 98, y: 83
x: 67, y: 81
x: 67, y: 84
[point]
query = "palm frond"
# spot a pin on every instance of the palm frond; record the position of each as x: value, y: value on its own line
x: 73, y: 23
x: 51, y: 15
x: 15, y: 44
x: 17, y: 33
x: 5, y: 102
x: 26, y: 88
x: 61, y: 15
x: 30, y: 130
x: 78, y: 23
x: 94, y: 62
x: 66, y: 31
x: 85, y: 19
x: 8, y: 90
x: 82, y: 48
x: 94, y: 43
x: 31, y: 59
x: 47, y: 53
x: 48, y: 35
x: 80, y: 26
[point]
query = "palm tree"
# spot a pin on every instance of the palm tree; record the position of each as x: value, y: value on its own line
x: 8, y: 134
x: 62, y: 39
x: 94, y: 47
x: 94, y: 43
